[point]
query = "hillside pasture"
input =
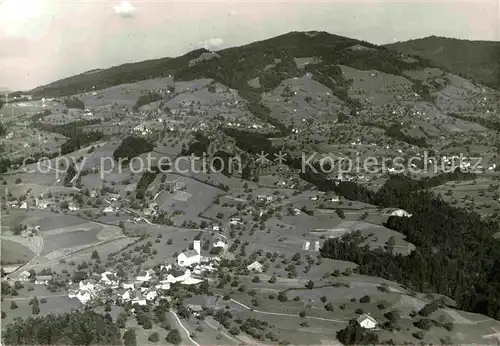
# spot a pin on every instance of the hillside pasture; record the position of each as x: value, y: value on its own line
x: 14, y: 252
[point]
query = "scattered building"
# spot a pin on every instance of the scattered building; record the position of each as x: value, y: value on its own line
x: 145, y: 275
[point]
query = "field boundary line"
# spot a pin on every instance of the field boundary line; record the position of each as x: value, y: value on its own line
x: 288, y: 315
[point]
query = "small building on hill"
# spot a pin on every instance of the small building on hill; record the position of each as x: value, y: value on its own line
x: 396, y: 212
x: 366, y: 321
x: 145, y: 275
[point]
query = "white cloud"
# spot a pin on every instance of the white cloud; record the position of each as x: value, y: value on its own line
x: 124, y: 9
x: 211, y: 43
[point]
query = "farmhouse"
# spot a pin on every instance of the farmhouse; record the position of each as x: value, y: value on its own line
x: 396, y: 212
x: 401, y: 213
x: 109, y: 209
x: 151, y: 295
x: 177, y: 276
x: 145, y: 275
x: 126, y: 296
x: 335, y: 199
x: 219, y: 243
x: 25, y: 275
x: 83, y: 296
x: 255, y: 266
x: 195, y: 309
x: 366, y: 321
x: 42, y: 204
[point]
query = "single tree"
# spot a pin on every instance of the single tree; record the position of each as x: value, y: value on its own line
x: 174, y: 337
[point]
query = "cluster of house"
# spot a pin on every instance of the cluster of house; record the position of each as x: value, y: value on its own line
x: 148, y: 284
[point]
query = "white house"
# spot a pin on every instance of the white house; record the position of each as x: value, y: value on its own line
x: 83, y: 296
x: 191, y: 281
x: 151, y: 295
x: 43, y: 279
x: 367, y: 322
x: 109, y: 278
x: 163, y: 285
x: 219, y: 243
x: 128, y: 286
x: 126, y: 296
x: 86, y: 286
x: 255, y: 266
x: 140, y: 301
x: 145, y: 275
x: 109, y: 209
x: 401, y: 213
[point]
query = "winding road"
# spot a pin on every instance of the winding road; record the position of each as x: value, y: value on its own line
x: 184, y: 328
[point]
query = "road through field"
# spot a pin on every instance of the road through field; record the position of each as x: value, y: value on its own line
x: 184, y: 328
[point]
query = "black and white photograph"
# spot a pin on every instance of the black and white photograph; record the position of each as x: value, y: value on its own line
x: 282, y: 172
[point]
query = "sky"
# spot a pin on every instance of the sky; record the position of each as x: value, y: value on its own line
x: 45, y: 40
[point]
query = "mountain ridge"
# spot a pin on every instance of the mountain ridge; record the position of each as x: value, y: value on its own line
x: 294, y: 44
x: 477, y: 60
